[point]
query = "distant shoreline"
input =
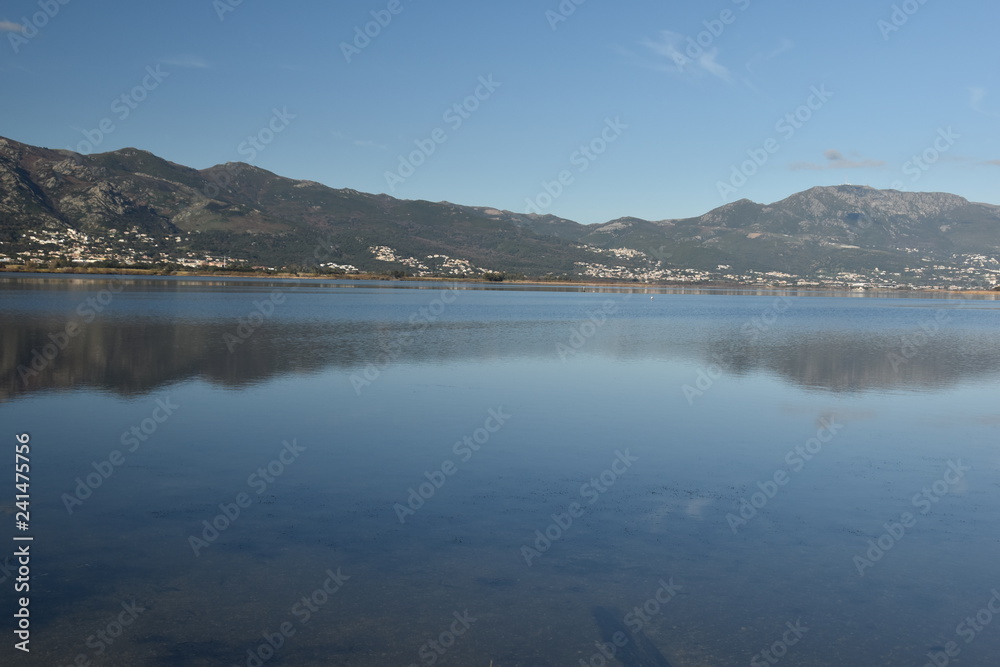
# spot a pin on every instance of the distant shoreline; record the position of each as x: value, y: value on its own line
x: 151, y: 273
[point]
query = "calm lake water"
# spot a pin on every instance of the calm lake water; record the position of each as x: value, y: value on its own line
x: 459, y: 475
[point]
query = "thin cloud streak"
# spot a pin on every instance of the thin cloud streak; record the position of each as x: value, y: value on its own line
x: 836, y: 160
x: 669, y: 46
x: 784, y: 46
x: 367, y: 143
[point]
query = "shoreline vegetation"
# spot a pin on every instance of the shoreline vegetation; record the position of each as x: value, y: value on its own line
x: 399, y: 276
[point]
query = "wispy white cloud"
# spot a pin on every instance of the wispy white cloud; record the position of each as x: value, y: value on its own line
x: 7, y: 26
x: 360, y: 143
x: 185, y: 60
x: 707, y: 62
x: 969, y: 161
x: 836, y: 160
x: 366, y: 143
x: 977, y: 97
x: 759, y: 59
x: 667, y: 48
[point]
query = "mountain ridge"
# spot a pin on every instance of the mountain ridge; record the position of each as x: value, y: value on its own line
x: 145, y: 209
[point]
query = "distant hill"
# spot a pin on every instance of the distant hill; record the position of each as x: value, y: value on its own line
x: 134, y: 206
x: 824, y: 228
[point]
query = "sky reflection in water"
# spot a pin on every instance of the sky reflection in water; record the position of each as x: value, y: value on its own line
x: 765, y: 374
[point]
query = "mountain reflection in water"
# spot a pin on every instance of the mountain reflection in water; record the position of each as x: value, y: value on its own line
x: 175, y: 336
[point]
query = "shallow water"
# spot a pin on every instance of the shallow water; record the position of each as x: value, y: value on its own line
x: 641, y: 424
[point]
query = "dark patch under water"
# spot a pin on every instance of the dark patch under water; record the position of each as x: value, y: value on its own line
x: 637, y: 651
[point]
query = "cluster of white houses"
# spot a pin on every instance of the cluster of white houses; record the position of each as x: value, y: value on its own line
x: 961, y: 271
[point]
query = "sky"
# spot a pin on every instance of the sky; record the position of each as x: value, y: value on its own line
x: 585, y: 109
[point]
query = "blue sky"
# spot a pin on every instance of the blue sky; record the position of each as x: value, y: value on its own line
x: 669, y: 127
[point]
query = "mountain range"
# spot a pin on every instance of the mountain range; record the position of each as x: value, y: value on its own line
x: 131, y: 206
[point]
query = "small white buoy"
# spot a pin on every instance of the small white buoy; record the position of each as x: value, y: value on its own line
x: 650, y: 298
